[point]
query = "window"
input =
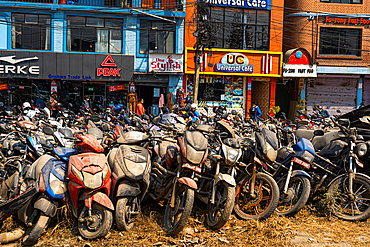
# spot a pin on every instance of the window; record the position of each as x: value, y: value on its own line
x: 240, y: 28
x: 94, y: 34
x: 342, y: 1
x: 157, y: 37
x: 340, y: 41
x: 30, y: 31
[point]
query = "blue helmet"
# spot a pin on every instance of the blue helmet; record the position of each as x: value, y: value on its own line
x: 118, y: 108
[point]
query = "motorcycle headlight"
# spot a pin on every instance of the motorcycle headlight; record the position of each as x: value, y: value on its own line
x: 93, y: 181
x: 231, y: 155
x: 307, y: 156
x: 77, y: 173
x: 58, y: 186
x: 361, y: 149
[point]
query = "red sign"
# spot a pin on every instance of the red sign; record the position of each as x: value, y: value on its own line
x: 132, y: 87
x: 3, y: 86
x: 347, y: 20
x: 54, y: 86
x: 116, y: 88
x: 108, y: 62
x: 302, y: 163
x: 21, y: 87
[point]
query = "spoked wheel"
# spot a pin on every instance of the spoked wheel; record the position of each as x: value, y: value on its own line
x: 127, y: 212
x: 176, y: 218
x: 262, y: 203
x: 220, y: 211
x: 98, y: 224
x: 348, y: 206
x: 295, y: 198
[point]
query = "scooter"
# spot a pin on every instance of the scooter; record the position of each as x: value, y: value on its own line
x: 89, y: 186
x: 131, y: 165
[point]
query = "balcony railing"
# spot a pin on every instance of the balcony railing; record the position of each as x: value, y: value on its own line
x: 174, y: 5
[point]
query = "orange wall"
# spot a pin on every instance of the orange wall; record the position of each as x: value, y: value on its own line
x: 276, y: 25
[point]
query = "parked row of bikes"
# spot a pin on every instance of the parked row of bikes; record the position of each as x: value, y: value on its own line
x: 105, y: 166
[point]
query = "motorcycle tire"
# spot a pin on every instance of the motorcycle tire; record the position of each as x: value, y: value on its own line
x: 103, y: 220
x: 34, y: 232
x: 297, y: 195
x: 356, y: 208
x: 125, y: 218
x: 175, y: 219
x: 265, y: 202
x: 219, y: 212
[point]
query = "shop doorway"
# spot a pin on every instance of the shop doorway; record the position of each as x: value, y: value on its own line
x: 151, y: 95
x: 261, y: 94
x: 96, y: 92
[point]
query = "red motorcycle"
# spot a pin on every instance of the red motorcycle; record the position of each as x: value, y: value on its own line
x: 89, y: 187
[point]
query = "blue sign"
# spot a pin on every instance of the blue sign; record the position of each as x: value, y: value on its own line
x: 251, y: 4
x: 234, y: 68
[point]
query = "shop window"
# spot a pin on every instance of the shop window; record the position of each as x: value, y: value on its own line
x: 340, y: 41
x: 342, y: 1
x: 240, y: 28
x: 30, y: 31
x: 157, y: 37
x: 89, y: 34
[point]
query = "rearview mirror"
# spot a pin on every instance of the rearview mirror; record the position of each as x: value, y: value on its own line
x: 224, y: 134
x: 48, y: 130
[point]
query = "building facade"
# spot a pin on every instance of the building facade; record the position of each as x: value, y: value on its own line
x: 242, y: 52
x: 335, y: 33
x: 92, y: 48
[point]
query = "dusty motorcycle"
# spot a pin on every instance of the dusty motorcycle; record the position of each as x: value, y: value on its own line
x: 172, y: 177
x: 130, y: 165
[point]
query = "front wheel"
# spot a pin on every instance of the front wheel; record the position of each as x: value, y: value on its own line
x: 261, y: 203
x: 349, y: 206
x: 98, y: 225
x: 295, y: 198
x: 176, y: 218
x: 127, y: 212
x: 34, y: 232
x: 219, y: 212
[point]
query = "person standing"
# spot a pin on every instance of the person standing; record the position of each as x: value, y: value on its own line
x: 140, y: 107
x: 86, y: 104
x: 255, y: 112
x: 170, y: 103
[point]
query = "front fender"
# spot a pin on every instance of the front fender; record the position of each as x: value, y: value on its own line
x: 300, y: 173
x: 188, y: 182
x: 226, y: 178
x: 99, y: 198
x: 128, y: 188
x: 46, y: 205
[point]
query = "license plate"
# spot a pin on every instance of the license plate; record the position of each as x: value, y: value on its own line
x: 301, y: 162
x: 2, y: 174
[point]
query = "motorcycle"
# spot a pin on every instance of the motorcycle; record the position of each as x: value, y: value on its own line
x: 130, y: 166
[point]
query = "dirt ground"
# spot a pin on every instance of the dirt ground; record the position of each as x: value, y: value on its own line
x: 313, y: 226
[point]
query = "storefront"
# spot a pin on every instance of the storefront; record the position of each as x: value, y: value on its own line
x: 234, y: 78
x: 164, y: 73
x: 32, y: 76
x: 298, y: 71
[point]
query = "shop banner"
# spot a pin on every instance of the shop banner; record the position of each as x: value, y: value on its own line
x: 251, y: 4
x: 116, y: 88
x: 66, y: 66
x: 166, y: 63
x: 3, y: 86
x: 235, y: 62
x: 297, y: 70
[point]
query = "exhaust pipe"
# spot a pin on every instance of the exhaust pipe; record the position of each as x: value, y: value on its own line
x: 12, y: 236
